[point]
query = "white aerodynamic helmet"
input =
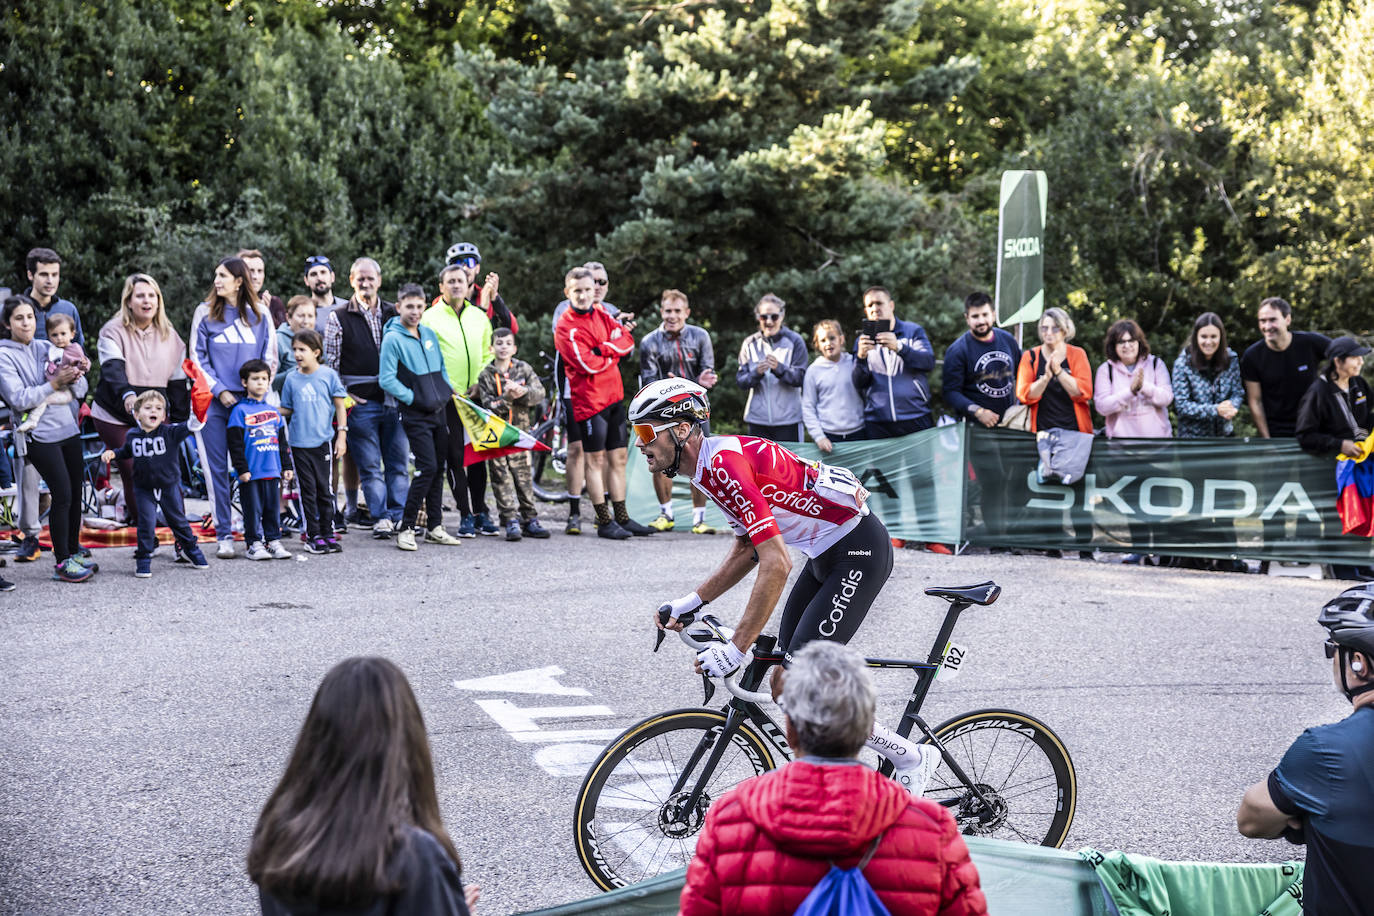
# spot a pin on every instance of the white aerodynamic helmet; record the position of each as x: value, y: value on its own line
x: 670, y: 399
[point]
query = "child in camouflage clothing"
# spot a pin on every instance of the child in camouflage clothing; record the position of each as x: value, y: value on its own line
x: 508, y: 388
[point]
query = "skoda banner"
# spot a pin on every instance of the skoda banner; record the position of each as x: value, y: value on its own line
x: 1020, y: 248
x: 1260, y: 498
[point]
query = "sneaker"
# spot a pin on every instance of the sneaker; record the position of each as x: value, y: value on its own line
x: 533, y: 529
x: 664, y: 522
x: 258, y: 551
x: 6, y: 585
x: 340, y: 524
x: 467, y: 528
x: 178, y: 555
x: 83, y: 556
x: 383, y: 529
x: 1087, y: 555
x: 485, y: 525
x: 941, y: 549
x: 612, y: 531
x: 914, y: 779
x: 360, y: 518
x: 278, y: 551
x: 702, y: 528
x: 1133, y: 559
x: 574, y: 525
x: 71, y: 571
x: 143, y: 568
x: 28, y: 550
x: 635, y: 528
x: 406, y: 540
x: 197, y: 558
x: 316, y: 546
x: 513, y: 530
x: 437, y: 535
x: 334, y: 545
x: 226, y: 549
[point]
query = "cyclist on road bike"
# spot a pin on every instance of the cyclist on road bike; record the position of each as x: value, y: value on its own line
x: 773, y: 499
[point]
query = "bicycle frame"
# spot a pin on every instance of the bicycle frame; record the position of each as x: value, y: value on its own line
x: 740, y: 709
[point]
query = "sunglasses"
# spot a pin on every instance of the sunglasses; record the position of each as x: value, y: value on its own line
x: 1331, y: 648
x: 468, y: 261
x: 647, y: 432
x: 317, y: 260
x: 770, y: 317
x: 601, y: 282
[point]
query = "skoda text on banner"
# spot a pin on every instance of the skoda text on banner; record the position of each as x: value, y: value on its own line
x: 1020, y: 247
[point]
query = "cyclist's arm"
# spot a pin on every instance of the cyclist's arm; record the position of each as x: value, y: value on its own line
x: 1259, y: 817
x: 774, y: 566
x: 737, y: 564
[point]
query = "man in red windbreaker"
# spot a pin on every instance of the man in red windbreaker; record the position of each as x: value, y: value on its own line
x: 770, y: 840
x: 592, y: 343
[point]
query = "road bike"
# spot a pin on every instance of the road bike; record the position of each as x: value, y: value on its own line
x: 642, y: 804
x: 549, y: 430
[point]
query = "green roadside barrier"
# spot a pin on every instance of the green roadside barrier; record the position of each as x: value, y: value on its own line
x: 1142, y: 886
x: 1021, y: 880
x: 1218, y: 498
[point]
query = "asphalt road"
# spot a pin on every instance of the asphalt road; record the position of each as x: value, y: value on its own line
x: 144, y: 722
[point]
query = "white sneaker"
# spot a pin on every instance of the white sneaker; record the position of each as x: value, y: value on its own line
x: 915, y: 778
x: 258, y: 551
x: 278, y: 551
x: 406, y: 540
x: 437, y: 535
x: 383, y: 529
x: 226, y: 549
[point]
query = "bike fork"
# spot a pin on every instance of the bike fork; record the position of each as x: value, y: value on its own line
x: 733, y: 719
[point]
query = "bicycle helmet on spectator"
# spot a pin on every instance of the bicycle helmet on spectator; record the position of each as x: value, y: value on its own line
x: 670, y: 400
x: 463, y: 251
x: 1349, y: 619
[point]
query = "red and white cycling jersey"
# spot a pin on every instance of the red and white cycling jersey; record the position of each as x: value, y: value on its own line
x: 766, y: 490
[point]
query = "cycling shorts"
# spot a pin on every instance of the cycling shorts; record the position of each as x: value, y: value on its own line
x: 832, y: 595
x: 605, y: 430
x: 573, y: 428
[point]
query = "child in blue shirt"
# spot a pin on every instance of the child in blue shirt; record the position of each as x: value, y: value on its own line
x: 312, y: 400
x: 155, y: 448
x: 261, y: 457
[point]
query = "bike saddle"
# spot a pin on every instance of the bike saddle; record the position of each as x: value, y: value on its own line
x: 983, y: 593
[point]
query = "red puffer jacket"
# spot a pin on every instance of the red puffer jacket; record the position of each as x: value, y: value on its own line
x: 770, y: 840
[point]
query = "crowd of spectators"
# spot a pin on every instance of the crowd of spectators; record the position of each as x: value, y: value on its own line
x: 369, y: 412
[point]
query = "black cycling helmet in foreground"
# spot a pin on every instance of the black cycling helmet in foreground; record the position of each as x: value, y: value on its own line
x: 1349, y: 618
x: 660, y: 405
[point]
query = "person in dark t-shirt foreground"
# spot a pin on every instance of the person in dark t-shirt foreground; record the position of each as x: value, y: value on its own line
x: 353, y: 827
x: 1322, y: 791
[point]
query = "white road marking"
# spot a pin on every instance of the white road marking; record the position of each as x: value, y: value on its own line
x: 521, y: 719
x: 531, y: 680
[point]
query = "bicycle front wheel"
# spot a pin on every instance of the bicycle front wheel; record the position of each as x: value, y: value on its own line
x: 629, y: 824
x: 1020, y: 767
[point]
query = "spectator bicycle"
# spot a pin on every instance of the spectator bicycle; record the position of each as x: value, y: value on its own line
x: 550, y: 431
x: 644, y: 800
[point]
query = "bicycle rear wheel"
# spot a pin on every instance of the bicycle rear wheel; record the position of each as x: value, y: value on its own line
x: 628, y: 824
x: 1020, y: 766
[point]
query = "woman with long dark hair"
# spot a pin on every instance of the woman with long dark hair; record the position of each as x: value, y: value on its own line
x: 228, y: 329
x: 353, y: 826
x: 54, y: 445
x: 139, y: 351
x: 1207, y: 389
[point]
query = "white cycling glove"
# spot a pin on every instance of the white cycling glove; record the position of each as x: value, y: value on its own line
x: 684, y: 605
x: 721, y: 660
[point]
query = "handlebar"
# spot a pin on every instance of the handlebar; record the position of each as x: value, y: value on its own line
x: 731, y: 681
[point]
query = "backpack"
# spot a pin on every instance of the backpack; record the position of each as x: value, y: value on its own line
x: 845, y: 892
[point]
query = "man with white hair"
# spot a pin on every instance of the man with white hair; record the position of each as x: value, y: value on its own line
x: 771, y: 839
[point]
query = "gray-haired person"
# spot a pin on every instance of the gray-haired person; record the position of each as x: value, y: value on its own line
x: 771, y: 839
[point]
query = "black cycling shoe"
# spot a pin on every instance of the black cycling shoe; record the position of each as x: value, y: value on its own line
x: 612, y: 532
x: 635, y: 528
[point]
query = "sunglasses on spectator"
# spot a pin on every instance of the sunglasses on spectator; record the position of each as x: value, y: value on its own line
x: 601, y: 282
x: 317, y: 260
x: 465, y: 262
x: 647, y: 432
x: 769, y: 317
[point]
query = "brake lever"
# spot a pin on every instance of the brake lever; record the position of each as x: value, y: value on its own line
x: 708, y: 687
x: 664, y: 615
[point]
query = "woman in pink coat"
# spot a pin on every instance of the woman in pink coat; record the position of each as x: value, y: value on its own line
x: 1132, y: 391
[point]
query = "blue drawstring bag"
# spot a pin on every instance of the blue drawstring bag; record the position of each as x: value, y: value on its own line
x: 845, y: 892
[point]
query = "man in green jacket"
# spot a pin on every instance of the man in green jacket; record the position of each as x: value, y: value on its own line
x: 464, y: 333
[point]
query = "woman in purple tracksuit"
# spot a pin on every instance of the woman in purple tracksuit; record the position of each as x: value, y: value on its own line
x: 227, y: 330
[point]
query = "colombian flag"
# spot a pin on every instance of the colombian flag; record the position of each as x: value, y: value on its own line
x: 1355, y: 491
x: 489, y: 436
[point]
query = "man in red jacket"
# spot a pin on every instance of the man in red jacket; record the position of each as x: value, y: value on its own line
x: 771, y: 839
x: 592, y: 343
